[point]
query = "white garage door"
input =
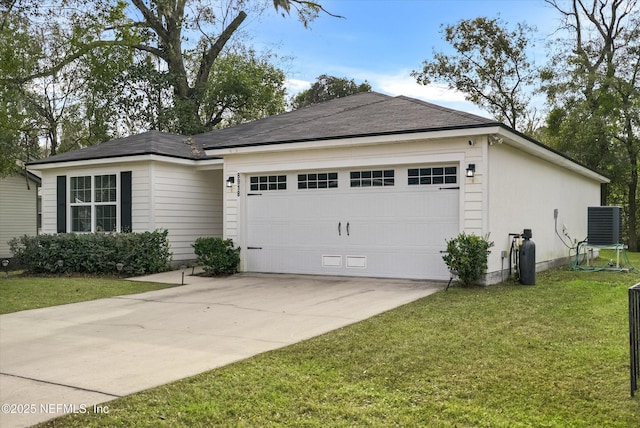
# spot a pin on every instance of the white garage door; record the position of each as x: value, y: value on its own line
x: 387, y: 222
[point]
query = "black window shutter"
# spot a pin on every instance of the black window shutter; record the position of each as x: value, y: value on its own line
x: 61, y: 203
x: 125, y: 201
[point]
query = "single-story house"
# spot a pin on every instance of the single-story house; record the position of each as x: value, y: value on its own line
x: 18, y: 208
x: 365, y: 185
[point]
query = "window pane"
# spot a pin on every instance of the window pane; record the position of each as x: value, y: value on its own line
x: 105, y: 186
x: 105, y: 218
x: 80, y: 189
x: 81, y: 219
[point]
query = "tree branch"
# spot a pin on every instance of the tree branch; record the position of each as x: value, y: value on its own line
x: 212, y: 53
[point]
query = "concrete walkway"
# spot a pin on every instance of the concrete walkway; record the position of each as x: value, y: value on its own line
x: 72, y: 357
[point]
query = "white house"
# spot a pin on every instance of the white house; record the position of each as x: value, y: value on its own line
x: 366, y: 185
x: 18, y: 208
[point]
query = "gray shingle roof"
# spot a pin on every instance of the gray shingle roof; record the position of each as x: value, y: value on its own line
x: 364, y: 114
x: 147, y: 143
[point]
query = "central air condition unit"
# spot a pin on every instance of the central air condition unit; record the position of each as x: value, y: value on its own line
x: 604, y: 225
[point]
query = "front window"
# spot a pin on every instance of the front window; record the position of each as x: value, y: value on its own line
x: 93, y: 203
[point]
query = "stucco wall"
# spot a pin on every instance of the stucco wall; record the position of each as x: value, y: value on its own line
x: 18, y: 215
x: 524, y: 191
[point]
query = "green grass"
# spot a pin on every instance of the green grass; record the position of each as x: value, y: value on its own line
x: 18, y: 293
x: 550, y: 355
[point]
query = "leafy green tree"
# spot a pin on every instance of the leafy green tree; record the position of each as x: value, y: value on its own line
x: 242, y: 87
x: 160, y: 28
x: 490, y: 67
x: 17, y: 139
x: 326, y: 88
x: 593, y: 85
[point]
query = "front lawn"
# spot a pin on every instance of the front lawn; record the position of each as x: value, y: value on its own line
x: 551, y: 355
x: 18, y: 293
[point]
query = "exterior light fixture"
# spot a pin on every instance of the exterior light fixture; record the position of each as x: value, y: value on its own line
x: 230, y: 181
x: 471, y: 170
x: 60, y: 263
x: 5, y: 265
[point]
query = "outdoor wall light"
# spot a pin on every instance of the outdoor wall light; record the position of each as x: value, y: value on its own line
x: 5, y: 265
x: 471, y: 170
x: 230, y: 181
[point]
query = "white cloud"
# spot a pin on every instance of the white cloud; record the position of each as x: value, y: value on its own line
x: 296, y: 85
x: 398, y: 83
x: 401, y: 83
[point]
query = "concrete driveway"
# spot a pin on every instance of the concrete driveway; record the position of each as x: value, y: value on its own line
x: 71, y: 357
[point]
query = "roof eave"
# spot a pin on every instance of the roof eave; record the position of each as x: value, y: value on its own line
x: 137, y: 157
x: 349, y: 140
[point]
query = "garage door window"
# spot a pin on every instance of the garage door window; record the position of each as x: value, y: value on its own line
x: 433, y: 175
x: 268, y: 182
x: 322, y: 180
x: 378, y: 178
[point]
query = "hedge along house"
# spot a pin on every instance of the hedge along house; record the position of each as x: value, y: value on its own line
x: 366, y: 185
x: 139, y: 183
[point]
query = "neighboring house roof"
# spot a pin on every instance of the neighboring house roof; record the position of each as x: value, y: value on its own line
x: 363, y: 114
x: 147, y: 143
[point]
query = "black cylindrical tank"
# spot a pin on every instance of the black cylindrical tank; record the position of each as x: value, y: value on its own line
x: 527, y: 259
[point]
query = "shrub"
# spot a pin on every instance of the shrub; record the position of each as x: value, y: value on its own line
x: 467, y: 257
x: 93, y: 253
x: 217, y: 256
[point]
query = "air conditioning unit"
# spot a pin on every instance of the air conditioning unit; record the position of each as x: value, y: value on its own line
x: 604, y: 225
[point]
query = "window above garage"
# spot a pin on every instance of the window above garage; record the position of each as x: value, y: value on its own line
x: 320, y: 180
x: 268, y: 182
x: 433, y: 175
x: 376, y: 178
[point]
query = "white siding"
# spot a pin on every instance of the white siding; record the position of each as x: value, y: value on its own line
x: 187, y: 202
x: 141, y: 195
x: 180, y: 198
x: 18, y: 214
x: 523, y: 193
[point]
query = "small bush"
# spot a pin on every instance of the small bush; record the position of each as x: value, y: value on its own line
x: 467, y: 257
x: 93, y: 253
x: 217, y: 256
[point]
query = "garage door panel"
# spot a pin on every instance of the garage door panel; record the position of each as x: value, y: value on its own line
x: 395, y: 231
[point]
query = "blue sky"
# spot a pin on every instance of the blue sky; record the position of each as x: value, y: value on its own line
x: 382, y: 41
